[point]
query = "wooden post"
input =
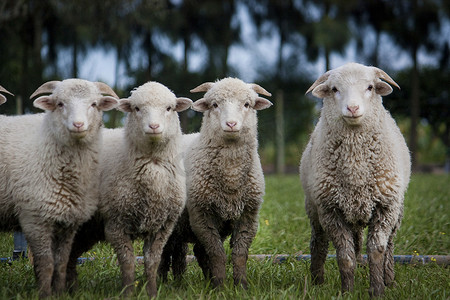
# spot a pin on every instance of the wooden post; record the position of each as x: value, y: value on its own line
x: 279, y: 134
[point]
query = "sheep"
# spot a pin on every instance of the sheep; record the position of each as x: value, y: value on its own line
x: 49, y: 176
x: 143, y: 188
x: 225, y: 181
x: 355, y: 171
x: 2, y: 97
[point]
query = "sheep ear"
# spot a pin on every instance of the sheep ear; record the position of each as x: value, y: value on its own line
x: 262, y: 103
x: 319, y: 81
x: 105, y: 89
x: 383, y: 75
x: 321, y: 90
x: 204, y: 87
x: 201, y: 105
x: 382, y: 88
x: 107, y: 103
x: 45, y: 103
x: 183, y: 104
x: 46, y: 88
x: 3, y: 90
x: 3, y: 98
x: 125, y: 105
x: 259, y: 89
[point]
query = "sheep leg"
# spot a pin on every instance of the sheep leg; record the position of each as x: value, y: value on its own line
x: 202, y: 260
x: 87, y: 235
x: 319, y: 250
x: 166, y: 259
x: 244, y: 232
x: 40, y: 242
x: 389, y: 272
x: 179, y: 260
x: 208, y: 235
x: 153, y: 248
x: 123, y: 247
x: 62, y: 244
x: 341, y: 235
x: 380, y: 232
x: 358, y: 241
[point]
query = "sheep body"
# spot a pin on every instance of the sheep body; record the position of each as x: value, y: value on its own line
x: 49, y: 172
x: 355, y: 171
x: 143, y: 189
x: 225, y: 181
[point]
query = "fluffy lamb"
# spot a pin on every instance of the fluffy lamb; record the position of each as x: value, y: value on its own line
x: 3, y: 98
x: 355, y: 171
x: 225, y: 182
x: 143, y: 188
x: 49, y: 176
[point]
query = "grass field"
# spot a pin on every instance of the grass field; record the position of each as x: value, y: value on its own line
x: 283, y: 229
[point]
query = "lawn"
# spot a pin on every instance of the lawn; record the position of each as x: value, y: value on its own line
x: 283, y: 229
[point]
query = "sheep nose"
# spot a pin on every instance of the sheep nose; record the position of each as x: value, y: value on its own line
x: 353, y: 109
x: 154, y: 126
x: 78, y: 124
x: 231, y: 124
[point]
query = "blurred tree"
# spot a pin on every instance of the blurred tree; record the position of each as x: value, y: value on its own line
x: 326, y: 29
x: 415, y: 23
x: 371, y: 15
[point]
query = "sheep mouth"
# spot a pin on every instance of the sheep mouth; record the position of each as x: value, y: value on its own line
x: 78, y: 133
x: 353, y: 119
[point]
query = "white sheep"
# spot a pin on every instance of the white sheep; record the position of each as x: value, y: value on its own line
x: 3, y: 98
x: 49, y: 172
x: 143, y: 188
x: 225, y: 181
x: 355, y: 171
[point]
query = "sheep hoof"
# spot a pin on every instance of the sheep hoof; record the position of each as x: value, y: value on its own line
x: 375, y: 292
x: 241, y: 282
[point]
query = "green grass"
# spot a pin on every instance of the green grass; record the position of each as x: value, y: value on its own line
x: 283, y: 229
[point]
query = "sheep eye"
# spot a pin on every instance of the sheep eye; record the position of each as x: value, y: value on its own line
x: 370, y: 87
x: 334, y: 89
x: 136, y: 109
x: 215, y: 105
x: 60, y: 104
x: 168, y: 108
x: 246, y: 104
x: 94, y: 104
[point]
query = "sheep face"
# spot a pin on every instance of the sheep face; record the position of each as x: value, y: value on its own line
x: 76, y: 105
x: 230, y: 106
x: 351, y: 92
x: 152, y: 112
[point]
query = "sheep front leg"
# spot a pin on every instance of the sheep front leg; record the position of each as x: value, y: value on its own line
x: 379, y: 235
x: 40, y: 241
x: 123, y: 247
x: 244, y: 232
x: 341, y: 235
x: 208, y: 235
x: 153, y: 249
x: 319, y: 250
x: 62, y: 244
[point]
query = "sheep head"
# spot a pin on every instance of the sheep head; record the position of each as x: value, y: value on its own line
x: 353, y: 90
x: 230, y: 105
x: 75, y: 103
x: 152, y: 112
x: 3, y: 98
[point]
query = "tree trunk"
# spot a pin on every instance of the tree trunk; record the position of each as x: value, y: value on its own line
x: 415, y: 110
x: 279, y: 138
